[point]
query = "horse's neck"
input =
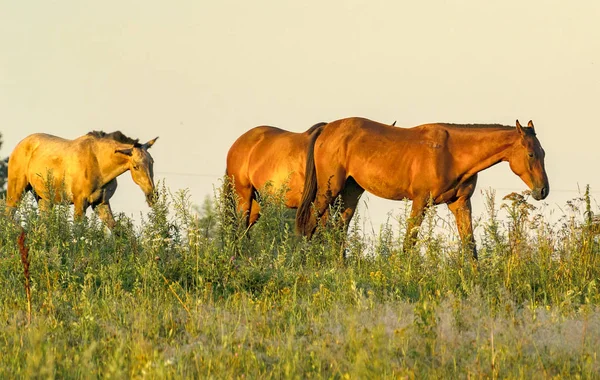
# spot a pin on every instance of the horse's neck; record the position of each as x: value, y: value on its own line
x: 485, y: 149
x: 111, y: 164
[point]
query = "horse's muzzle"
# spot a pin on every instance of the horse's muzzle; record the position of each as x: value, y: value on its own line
x: 540, y: 193
x: 151, y: 199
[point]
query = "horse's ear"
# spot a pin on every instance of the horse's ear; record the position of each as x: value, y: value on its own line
x: 531, y: 127
x: 519, y: 128
x: 127, y: 151
x: 149, y: 144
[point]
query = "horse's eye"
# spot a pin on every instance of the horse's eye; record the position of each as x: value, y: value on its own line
x: 530, y: 154
x: 135, y: 167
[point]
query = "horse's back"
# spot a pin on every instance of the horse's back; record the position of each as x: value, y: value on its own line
x: 246, y: 142
x: 357, y: 135
x: 23, y: 151
x: 262, y: 145
x: 239, y: 154
x: 23, y: 168
x: 40, y: 153
x: 42, y: 146
x: 29, y: 144
x: 358, y: 127
x: 270, y: 154
x: 384, y: 160
x: 261, y: 137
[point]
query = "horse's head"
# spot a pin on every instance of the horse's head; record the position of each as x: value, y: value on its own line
x: 527, y: 161
x: 141, y: 166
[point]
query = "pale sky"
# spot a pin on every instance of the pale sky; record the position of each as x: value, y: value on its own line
x: 201, y: 73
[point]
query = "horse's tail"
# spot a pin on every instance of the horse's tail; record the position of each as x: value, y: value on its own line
x: 310, y: 183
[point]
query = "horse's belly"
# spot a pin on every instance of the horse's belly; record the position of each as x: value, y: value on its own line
x: 293, y: 197
x: 396, y: 187
x: 390, y: 193
x: 384, y: 186
x: 291, y: 180
x: 49, y: 185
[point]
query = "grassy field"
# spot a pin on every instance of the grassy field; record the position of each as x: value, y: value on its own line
x: 195, y: 296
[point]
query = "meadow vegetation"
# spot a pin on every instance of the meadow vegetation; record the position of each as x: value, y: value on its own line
x: 189, y: 292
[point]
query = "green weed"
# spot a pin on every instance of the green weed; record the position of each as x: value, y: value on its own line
x: 196, y: 294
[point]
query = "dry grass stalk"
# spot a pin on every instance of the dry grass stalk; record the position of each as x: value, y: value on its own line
x: 25, y: 261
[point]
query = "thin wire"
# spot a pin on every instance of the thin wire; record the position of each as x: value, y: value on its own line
x: 182, y: 174
x: 551, y: 190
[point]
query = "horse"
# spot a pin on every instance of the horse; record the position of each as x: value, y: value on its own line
x: 82, y: 172
x: 435, y: 163
x: 264, y: 155
x: 271, y: 155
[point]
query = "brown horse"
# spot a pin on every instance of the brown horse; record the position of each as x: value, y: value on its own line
x: 268, y: 154
x: 432, y: 161
x: 82, y: 172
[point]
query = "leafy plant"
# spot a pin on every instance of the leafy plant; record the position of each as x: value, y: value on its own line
x: 188, y: 294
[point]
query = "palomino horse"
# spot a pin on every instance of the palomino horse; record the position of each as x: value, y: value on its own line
x: 82, y: 172
x: 432, y: 161
x: 269, y: 155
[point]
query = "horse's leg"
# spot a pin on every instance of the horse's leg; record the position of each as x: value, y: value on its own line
x: 414, y: 222
x: 105, y: 214
x: 102, y: 205
x: 461, y: 208
x: 328, y: 189
x: 245, y: 201
x: 17, y: 185
x: 43, y: 204
x: 80, y: 205
x: 254, y: 212
x: 350, y: 196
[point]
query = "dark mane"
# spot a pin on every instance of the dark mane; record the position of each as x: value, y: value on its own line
x: 117, y: 136
x: 315, y: 127
x: 478, y: 126
x: 527, y: 130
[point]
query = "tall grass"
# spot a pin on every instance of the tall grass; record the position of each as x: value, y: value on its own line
x: 198, y: 295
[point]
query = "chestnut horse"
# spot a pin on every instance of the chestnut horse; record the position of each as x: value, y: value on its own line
x: 268, y: 154
x: 82, y: 172
x: 432, y: 161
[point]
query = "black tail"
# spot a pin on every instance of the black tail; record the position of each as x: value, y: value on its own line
x: 310, y: 184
